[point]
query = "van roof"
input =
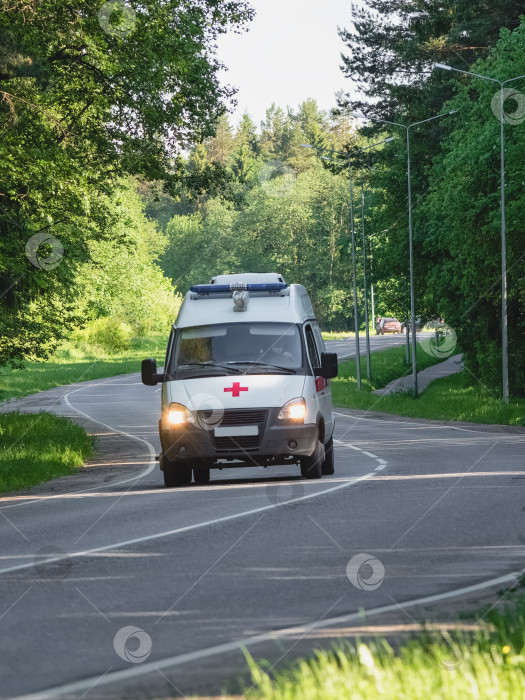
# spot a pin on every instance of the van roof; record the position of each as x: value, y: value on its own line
x: 289, y: 305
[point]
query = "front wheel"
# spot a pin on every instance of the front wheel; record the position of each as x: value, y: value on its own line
x: 328, y: 467
x: 201, y: 476
x: 175, y: 474
x: 312, y: 467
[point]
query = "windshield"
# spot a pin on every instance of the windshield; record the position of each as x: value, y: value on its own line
x: 239, y: 348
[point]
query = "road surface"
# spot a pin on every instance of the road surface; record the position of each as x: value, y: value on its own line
x: 415, y: 510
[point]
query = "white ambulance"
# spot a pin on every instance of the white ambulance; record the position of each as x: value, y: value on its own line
x: 246, y: 381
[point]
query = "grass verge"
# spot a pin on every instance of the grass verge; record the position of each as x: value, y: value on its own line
x: 483, y: 664
x: 39, y: 447
x: 457, y: 397
x: 341, y: 335
x: 79, y: 363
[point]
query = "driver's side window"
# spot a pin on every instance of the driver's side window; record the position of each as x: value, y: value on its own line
x: 312, y: 348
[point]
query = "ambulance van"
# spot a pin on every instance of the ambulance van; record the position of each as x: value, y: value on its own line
x: 246, y: 381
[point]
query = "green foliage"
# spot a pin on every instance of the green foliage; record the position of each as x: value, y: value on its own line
x: 122, y: 279
x: 81, y: 102
x: 455, y: 168
x: 461, y: 229
x: 110, y: 334
x: 296, y: 226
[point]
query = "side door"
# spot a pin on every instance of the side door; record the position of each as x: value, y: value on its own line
x: 314, y: 384
x: 325, y: 394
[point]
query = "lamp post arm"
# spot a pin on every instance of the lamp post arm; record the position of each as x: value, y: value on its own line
x: 476, y: 75
x: 430, y: 119
x: 511, y: 80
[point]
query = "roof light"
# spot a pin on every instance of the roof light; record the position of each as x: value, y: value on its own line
x: 238, y: 287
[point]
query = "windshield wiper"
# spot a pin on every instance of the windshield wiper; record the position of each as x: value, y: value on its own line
x: 208, y: 365
x: 264, y: 364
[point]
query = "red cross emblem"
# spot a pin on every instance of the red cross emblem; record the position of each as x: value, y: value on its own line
x: 236, y: 388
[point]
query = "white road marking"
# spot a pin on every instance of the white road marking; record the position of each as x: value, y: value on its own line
x: 381, y: 462
x: 413, y: 422
x: 180, y: 659
x: 167, y: 533
x: 187, y: 528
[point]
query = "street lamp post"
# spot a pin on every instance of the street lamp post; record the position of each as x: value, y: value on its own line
x: 504, y: 325
x: 348, y: 155
x: 367, y: 321
x: 410, y: 237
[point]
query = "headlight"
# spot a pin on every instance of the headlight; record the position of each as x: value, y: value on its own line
x: 293, y: 410
x: 179, y: 414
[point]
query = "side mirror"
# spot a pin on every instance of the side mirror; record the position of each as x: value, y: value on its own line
x: 329, y: 367
x: 149, y: 373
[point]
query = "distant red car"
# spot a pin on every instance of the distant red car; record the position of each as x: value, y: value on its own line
x: 388, y: 325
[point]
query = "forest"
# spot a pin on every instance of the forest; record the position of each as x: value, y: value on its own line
x: 123, y: 184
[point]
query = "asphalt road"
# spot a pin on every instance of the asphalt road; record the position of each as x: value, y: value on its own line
x: 416, y: 509
x: 345, y: 348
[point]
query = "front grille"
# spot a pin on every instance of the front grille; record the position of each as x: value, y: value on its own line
x: 243, y: 417
x: 232, y: 417
x: 237, y: 444
x: 238, y: 417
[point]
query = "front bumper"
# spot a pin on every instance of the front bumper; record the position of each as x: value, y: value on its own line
x: 274, y: 439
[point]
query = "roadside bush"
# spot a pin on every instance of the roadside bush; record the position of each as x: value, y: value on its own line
x: 111, y: 334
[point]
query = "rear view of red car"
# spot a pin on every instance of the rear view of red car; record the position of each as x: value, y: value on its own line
x: 388, y: 325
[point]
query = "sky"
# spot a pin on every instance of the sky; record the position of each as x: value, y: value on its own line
x: 291, y: 52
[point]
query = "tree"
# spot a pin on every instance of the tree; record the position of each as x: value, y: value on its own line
x: 220, y: 146
x: 122, y: 279
x: 460, y: 228
x: 391, y: 48
x: 391, y: 52
x: 83, y: 100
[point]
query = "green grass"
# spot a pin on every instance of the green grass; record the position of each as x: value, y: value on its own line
x: 341, y: 335
x: 39, y: 447
x: 386, y: 366
x: 78, y: 363
x: 334, y: 335
x: 487, y: 664
x: 458, y: 397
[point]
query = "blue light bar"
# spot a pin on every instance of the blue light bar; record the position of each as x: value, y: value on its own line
x: 237, y: 287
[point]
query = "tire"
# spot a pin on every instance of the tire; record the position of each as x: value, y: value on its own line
x: 312, y: 467
x: 175, y: 474
x: 201, y: 476
x: 327, y: 467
